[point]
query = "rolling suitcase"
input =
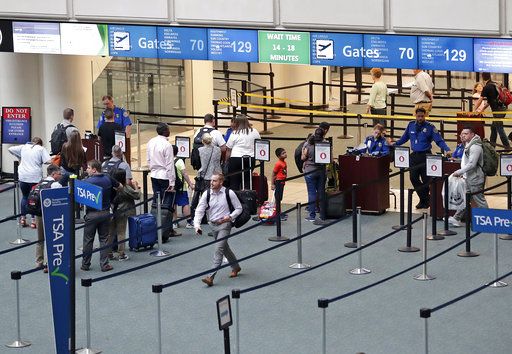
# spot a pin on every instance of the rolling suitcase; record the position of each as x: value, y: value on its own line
x: 249, y: 196
x: 142, y: 231
x: 335, y: 205
x: 261, y: 191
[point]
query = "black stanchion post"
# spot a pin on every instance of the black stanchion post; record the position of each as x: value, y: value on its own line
x: 310, y: 89
x: 509, y: 205
x: 72, y: 303
x: 392, y: 112
x: 402, y: 201
x: 343, y: 103
x: 433, y: 210
x: 145, y: 188
x: 449, y: 82
x: 353, y: 244
x: 467, y: 252
x: 441, y: 128
x: 324, y: 87
x: 216, y: 112
x: 399, y: 80
x: 408, y: 245
x: 244, y: 97
x: 227, y: 345
x: 262, y: 181
x: 272, y: 93
x: 265, y: 123
x: 446, y: 231
x: 279, y: 237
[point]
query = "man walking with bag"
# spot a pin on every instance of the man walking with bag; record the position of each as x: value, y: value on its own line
x: 218, y: 204
x: 471, y: 170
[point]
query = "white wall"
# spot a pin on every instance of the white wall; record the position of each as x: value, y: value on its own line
x: 122, y: 10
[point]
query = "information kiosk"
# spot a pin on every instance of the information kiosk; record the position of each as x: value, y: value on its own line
x: 374, y: 197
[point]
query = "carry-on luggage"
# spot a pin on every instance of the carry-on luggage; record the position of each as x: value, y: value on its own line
x: 142, y: 231
x: 335, y: 205
x: 261, y: 191
x: 166, y: 219
x: 268, y: 212
x: 249, y: 196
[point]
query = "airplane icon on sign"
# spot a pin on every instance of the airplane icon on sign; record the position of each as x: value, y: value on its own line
x: 324, y: 49
x: 121, y: 40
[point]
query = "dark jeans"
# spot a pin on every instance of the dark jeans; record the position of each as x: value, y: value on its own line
x: 497, y: 128
x: 96, y: 221
x: 379, y: 112
x: 25, y: 190
x: 315, y: 183
x: 166, y: 198
x: 418, y: 176
x: 235, y: 165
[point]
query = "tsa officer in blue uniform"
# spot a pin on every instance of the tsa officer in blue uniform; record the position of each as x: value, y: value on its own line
x: 376, y: 144
x: 421, y: 133
x: 121, y: 116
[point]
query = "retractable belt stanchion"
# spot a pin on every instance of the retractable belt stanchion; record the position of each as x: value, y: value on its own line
x: 17, y: 208
x: 323, y: 304
x: 509, y: 204
x: 299, y: 264
x: 467, y: 252
x: 87, y: 350
x: 424, y: 275
x: 359, y: 270
x: 235, y: 294
x: 425, y: 314
x: 353, y: 244
x: 279, y: 237
x: 343, y: 104
x: 434, y: 236
x: 18, y: 343
x: 160, y: 252
x: 402, y: 202
x: 446, y: 231
x: 157, y: 289
x: 145, y: 189
x: 408, y: 246
x: 496, y: 284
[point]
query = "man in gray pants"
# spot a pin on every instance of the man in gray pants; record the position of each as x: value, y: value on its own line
x: 220, y: 218
x: 471, y: 170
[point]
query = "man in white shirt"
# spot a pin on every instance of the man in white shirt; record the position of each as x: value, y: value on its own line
x: 161, y: 163
x: 422, y: 91
x: 209, y: 127
x: 220, y: 218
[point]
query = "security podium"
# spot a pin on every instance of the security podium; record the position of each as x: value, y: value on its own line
x: 449, y: 167
x: 374, y: 197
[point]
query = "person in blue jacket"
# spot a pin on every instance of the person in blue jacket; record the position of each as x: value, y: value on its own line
x: 121, y: 116
x: 376, y: 144
x: 421, y: 134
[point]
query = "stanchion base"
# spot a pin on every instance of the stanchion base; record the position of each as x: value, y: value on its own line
x: 498, y: 284
x: 400, y: 227
x: 266, y: 132
x: 160, y: 253
x: 88, y: 351
x: 423, y: 277
x: 505, y: 237
x: 435, y: 237
x: 278, y: 238
x: 468, y: 254
x: 19, y: 241
x: 350, y: 245
x: 348, y: 136
x: 360, y: 271
x: 19, y: 344
x: 299, y: 266
x: 408, y: 249
x: 447, y: 233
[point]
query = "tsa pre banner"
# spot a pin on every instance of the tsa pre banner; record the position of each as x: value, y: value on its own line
x: 56, y: 208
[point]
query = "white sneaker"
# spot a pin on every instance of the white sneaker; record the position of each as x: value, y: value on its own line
x: 455, y: 222
x: 189, y: 226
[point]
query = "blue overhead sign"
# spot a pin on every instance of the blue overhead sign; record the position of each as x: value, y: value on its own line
x: 390, y: 51
x: 88, y: 194
x: 133, y: 41
x: 182, y: 43
x: 56, y: 210
x: 445, y: 53
x: 494, y: 221
x: 233, y: 45
x: 337, y: 49
x: 493, y: 55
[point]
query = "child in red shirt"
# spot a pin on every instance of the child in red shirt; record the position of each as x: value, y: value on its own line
x: 279, y: 175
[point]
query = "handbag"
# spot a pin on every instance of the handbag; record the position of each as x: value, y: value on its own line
x: 200, y: 183
x: 56, y: 159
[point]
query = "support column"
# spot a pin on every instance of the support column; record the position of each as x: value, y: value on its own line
x: 199, y: 88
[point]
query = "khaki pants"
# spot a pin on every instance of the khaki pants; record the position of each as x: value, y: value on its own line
x: 40, y: 244
x: 118, y: 226
x: 427, y: 106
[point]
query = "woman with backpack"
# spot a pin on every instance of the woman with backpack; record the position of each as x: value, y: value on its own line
x: 32, y: 156
x: 72, y: 157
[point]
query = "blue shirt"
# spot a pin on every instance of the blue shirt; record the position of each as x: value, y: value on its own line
x: 421, y: 137
x: 106, y: 183
x: 459, y: 151
x: 121, y: 117
x: 376, y: 147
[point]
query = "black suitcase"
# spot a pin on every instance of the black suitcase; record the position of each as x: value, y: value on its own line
x: 249, y: 196
x: 335, y: 205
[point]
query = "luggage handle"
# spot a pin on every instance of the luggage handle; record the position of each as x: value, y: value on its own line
x: 243, y: 172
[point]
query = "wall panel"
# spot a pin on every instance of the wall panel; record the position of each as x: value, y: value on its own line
x: 33, y: 8
x: 122, y: 10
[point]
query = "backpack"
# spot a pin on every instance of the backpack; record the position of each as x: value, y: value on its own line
x: 241, y: 219
x: 195, y: 159
x: 111, y: 167
x: 504, y: 95
x: 298, y: 156
x: 178, y: 182
x: 58, y: 138
x: 491, y: 158
x: 34, y: 197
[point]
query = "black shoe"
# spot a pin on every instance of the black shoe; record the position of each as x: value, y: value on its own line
x: 421, y: 205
